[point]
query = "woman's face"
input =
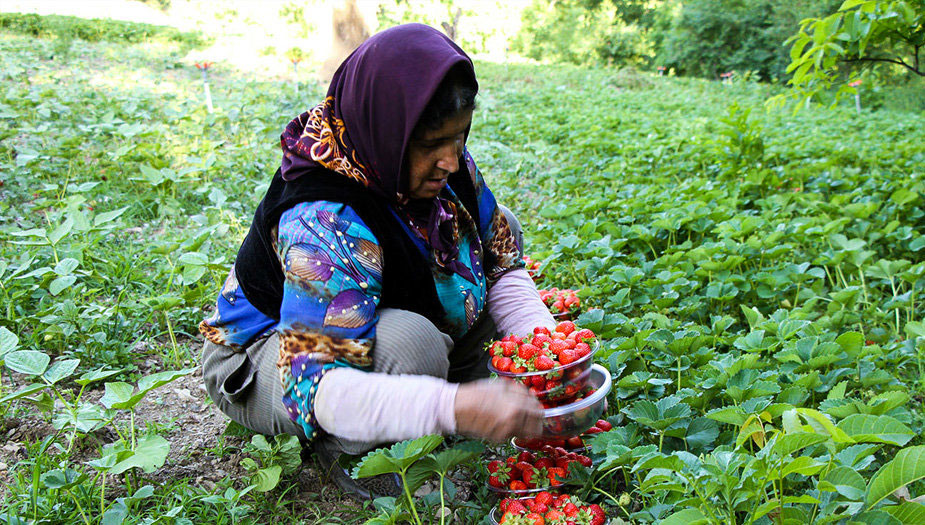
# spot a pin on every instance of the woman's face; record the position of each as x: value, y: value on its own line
x: 434, y: 155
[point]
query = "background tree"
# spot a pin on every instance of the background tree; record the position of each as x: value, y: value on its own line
x: 862, y: 34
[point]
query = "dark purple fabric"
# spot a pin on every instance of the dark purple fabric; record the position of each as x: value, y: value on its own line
x: 377, y: 95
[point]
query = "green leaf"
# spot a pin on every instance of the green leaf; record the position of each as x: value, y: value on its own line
x: 787, y: 444
x: 62, y: 479
x: 266, y: 479
x: 61, y: 283
x: 847, y: 482
x: 907, y: 466
x: 66, y: 266
x: 686, y: 517
x: 876, y: 517
x: 8, y: 341
x: 448, y: 459
x: 701, y: 432
x: 149, y: 455
x: 397, y: 458
x: 29, y: 362
x: 732, y: 415
x: 23, y: 392
x: 63, y: 229
x: 117, y: 393
x: 121, y: 395
x: 148, y: 383
x: 102, y: 218
x: 803, y: 465
x: 95, y: 375
x: 865, y: 428
x: 909, y: 513
x: 61, y: 369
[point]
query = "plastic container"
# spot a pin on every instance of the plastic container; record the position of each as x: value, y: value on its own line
x: 573, y: 377
x: 520, y: 494
x: 520, y: 446
x: 575, y: 418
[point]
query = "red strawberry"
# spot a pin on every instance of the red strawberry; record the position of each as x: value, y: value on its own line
x: 508, y: 348
x: 593, y: 430
x: 541, y: 330
x: 535, y: 477
x: 495, y: 481
x: 604, y: 425
x: 555, y: 516
x: 541, y: 339
x: 525, y: 457
x: 517, y: 369
x: 570, y: 509
x: 539, y: 508
x: 544, y: 463
x: 567, y: 356
x: 557, y: 346
x: 597, y: 514
x: 557, y: 307
x: 516, y: 508
x: 555, y: 476
x: 544, y: 497
x: 494, y: 466
x: 538, y: 381
x: 585, y: 461
x: 565, y: 327
x: 535, y: 519
x: 584, y: 334
x: 582, y: 349
x: 503, y: 505
x: 504, y: 364
x: 527, y: 351
x: 517, y: 485
x: 544, y: 363
x: 575, y: 442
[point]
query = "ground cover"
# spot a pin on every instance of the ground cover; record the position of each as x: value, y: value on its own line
x: 756, y: 279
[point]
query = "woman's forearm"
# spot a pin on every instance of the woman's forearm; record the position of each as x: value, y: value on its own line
x: 515, y: 305
x: 365, y: 406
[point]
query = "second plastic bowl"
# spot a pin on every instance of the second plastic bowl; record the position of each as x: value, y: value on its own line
x: 574, y: 418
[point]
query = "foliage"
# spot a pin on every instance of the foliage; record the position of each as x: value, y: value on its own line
x: 415, y: 462
x: 862, y: 33
x: 282, y: 458
x: 94, y: 30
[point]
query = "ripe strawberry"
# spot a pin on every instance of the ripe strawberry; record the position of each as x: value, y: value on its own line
x: 555, y: 516
x: 504, y: 364
x: 527, y: 351
x: 517, y: 485
x: 504, y: 504
x: 565, y: 327
x: 516, y: 369
x: 558, y: 307
x: 570, y: 509
x: 575, y: 442
x: 526, y: 456
x: 582, y: 349
x: 544, y: 463
x: 495, y: 481
x: 563, y: 463
x: 604, y: 425
x: 584, y: 334
x: 544, y: 363
x: 494, y: 466
x: 557, y: 346
x: 585, y: 461
x: 544, y: 497
x: 538, y: 381
x: 516, y: 508
x: 597, y: 514
x: 593, y: 430
x: 535, y: 477
x: 541, y: 330
x: 567, y: 357
x: 539, y: 340
x: 555, y: 476
x: 557, y: 335
x: 539, y: 508
x: 508, y: 348
x: 535, y: 519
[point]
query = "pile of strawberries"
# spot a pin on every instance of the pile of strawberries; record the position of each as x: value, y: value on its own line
x: 562, y: 303
x: 549, y: 509
x: 573, y: 443
x: 546, y: 350
x: 528, y: 470
x: 533, y: 268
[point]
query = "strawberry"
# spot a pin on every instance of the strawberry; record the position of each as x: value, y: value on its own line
x: 544, y: 363
x: 570, y: 509
x: 557, y: 346
x: 558, y: 307
x: 585, y: 461
x: 526, y: 456
x: 567, y: 357
x: 604, y: 425
x: 544, y: 463
x: 527, y: 351
x: 597, y: 514
x: 495, y: 481
x: 563, y: 463
x: 565, y: 327
x: 517, y: 485
x: 504, y: 364
x: 508, y: 348
x: 575, y: 442
x: 555, y: 476
x: 593, y: 430
x: 504, y: 504
x: 540, y: 508
x: 538, y: 382
x: 541, y: 330
x: 516, y: 508
x: 544, y: 497
x: 584, y: 334
x: 517, y: 369
x: 582, y: 349
x: 535, y: 477
x: 535, y: 519
x: 539, y: 340
x: 555, y: 516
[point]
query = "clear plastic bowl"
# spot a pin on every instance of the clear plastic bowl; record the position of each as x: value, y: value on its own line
x: 575, y: 374
x: 575, y: 418
x: 521, y: 447
x: 520, y: 494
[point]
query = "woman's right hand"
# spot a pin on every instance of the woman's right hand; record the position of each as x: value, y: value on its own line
x: 497, y: 410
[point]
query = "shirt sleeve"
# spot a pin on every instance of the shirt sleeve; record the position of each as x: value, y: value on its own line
x: 333, y: 279
x: 515, y: 305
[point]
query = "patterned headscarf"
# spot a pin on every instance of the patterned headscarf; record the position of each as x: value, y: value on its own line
x: 363, y: 127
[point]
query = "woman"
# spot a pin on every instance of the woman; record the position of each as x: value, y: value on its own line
x: 376, y: 267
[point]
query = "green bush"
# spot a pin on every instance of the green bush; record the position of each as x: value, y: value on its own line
x: 94, y: 29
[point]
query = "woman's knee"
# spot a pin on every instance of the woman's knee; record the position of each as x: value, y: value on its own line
x: 408, y: 343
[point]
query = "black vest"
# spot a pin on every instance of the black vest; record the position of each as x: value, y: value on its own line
x: 407, y: 278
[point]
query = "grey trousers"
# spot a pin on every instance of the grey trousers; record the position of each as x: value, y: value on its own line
x: 245, y: 384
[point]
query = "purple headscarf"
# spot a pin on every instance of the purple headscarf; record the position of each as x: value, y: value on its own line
x: 363, y: 127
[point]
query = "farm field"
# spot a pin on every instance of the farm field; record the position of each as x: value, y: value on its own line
x: 756, y: 277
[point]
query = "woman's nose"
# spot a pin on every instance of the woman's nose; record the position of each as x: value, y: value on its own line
x: 449, y: 158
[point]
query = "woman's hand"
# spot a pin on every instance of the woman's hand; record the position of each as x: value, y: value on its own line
x: 497, y: 410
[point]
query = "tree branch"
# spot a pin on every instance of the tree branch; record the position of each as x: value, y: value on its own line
x: 897, y: 61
